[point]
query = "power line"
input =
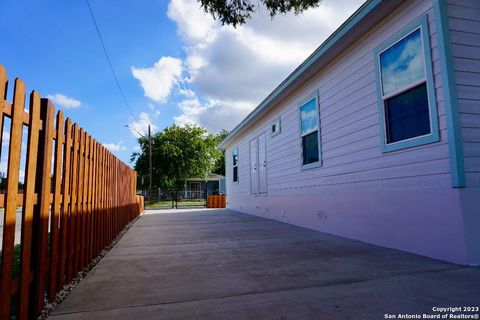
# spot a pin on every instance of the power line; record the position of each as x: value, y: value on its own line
x: 109, y: 62
x: 129, y: 126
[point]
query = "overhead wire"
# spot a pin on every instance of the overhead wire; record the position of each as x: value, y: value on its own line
x: 109, y: 61
x: 128, y: 126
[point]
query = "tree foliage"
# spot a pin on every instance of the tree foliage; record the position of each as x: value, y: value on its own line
x: 219, y: 163
x: 236, y: 12
x: 178, y: 153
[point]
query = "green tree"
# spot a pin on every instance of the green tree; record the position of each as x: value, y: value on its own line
x: 219, y: 163
x: 236, y: 12
x: 177, y: 153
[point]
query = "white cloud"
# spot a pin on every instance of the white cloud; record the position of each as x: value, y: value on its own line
x: 192, y: 22
x: 186, y: 93
x: 248, y: 62
x: 5, y: 137
x: 403, y: 64
x: 231, y: 70
x: 140, y: 126
x: 115, y: 146
x: 4, y: 168
x: 227, y: 71
x: 213, y: 114
x: 64, y: 101
x: 157, y: 81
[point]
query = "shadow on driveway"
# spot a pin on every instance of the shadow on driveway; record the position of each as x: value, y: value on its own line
x: 220, y: 264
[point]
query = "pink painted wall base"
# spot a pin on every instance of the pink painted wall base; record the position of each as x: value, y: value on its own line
x: 425, y: 222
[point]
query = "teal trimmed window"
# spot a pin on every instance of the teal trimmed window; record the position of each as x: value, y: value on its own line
x: 406, y: 93
x: 235, y: 164
x: 310, y: 132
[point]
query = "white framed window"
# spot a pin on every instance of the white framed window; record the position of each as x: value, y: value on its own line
x: 275, y: 127
x: 310, y: 132
x: 235, y: 164
x: 406, y: 93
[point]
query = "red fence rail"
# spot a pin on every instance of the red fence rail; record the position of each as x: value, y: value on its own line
x: 70, y: 209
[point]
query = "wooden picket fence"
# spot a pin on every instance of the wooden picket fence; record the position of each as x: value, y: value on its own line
x: 70, y: 209
x: 217, y: 201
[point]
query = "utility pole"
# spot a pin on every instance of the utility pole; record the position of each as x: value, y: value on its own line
x: 150, y: 157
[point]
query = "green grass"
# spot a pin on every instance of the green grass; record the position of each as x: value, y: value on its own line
x: 16, y: 260
x: 168, y: 204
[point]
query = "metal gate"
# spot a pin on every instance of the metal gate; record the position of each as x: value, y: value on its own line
x: 174, y: 199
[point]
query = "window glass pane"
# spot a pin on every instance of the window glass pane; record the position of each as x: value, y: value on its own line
x: 310, y: 148
x: 235, y: 174
x: 275, y: 127
x: 403, y: 63
x: 235, y: 156
x: 309, y: 116
x: 407, y: 114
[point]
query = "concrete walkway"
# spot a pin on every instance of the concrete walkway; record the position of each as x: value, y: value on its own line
x: 219, y: 264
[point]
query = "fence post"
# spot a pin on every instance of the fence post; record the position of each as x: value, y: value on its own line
x: 206, y: 196
x: 73, y: 202
x: 55, y: 215
x: 176, y: 199
x: 11, y: 198
x: 28, y: 203
x: 89, y: 205
x: 67, y: 150
x: 42, y: 211
x: 79, y: 210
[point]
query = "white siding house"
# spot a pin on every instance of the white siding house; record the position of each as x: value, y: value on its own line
x: 376, y: 136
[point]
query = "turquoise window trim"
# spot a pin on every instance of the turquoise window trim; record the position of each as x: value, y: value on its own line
x: 319, y: 163
x: 455, y: 146
x: 434, y: 136
x: 278, y: 122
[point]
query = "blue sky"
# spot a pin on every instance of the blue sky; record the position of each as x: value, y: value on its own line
x: 174, y: 63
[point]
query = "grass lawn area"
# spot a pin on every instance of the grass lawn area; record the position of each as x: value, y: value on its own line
x: 168, y: 204
x: 16, y: 260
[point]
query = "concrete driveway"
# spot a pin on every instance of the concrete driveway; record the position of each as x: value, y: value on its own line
x: 219, y: 264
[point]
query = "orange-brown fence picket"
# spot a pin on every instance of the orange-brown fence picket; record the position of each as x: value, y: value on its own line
x: 70, y: 209
x: 217, y: 201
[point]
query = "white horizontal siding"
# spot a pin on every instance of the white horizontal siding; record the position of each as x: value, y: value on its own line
x: 351, y: 150
x: 464, y: 24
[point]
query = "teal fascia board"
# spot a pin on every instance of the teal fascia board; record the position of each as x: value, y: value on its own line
x: 457, y: 164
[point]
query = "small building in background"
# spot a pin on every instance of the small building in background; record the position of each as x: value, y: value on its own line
x: 213, y: 183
